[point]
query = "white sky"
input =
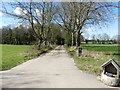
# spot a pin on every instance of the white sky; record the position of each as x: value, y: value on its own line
x: 1, y: 14
x: 18, y: 11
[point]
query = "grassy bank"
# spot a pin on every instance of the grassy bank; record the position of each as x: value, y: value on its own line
x: 13, y: 55
x: 94, y: 56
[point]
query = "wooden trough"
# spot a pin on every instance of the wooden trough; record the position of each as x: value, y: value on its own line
x: 111, y: 73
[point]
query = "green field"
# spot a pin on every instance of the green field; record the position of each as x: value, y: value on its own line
x: 106, y: 49
x: 94, y: 55
x: 111, y: 51
x: 13, y: 55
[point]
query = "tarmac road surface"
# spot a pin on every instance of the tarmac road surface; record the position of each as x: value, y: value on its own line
x: 55, y: 69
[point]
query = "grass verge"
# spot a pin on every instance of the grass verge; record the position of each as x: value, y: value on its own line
x: 93, y: 57
x: 13, y: 55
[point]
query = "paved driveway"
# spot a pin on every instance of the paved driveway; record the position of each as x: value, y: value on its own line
x: 55, y: 69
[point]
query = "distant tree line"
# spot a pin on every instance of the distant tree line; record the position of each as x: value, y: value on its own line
x: 17, y: 36
x: 103, y: 39
x: 24, y: 36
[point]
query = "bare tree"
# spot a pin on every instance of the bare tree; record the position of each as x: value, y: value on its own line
x: 105, y: 38
x: 82, y: 14
x: 71, y: 16
x: 38, y: 14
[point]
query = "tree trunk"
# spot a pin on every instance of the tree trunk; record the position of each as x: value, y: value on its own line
x: 76, y: 39
x: 79, y: 42
x: 72, y: 39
